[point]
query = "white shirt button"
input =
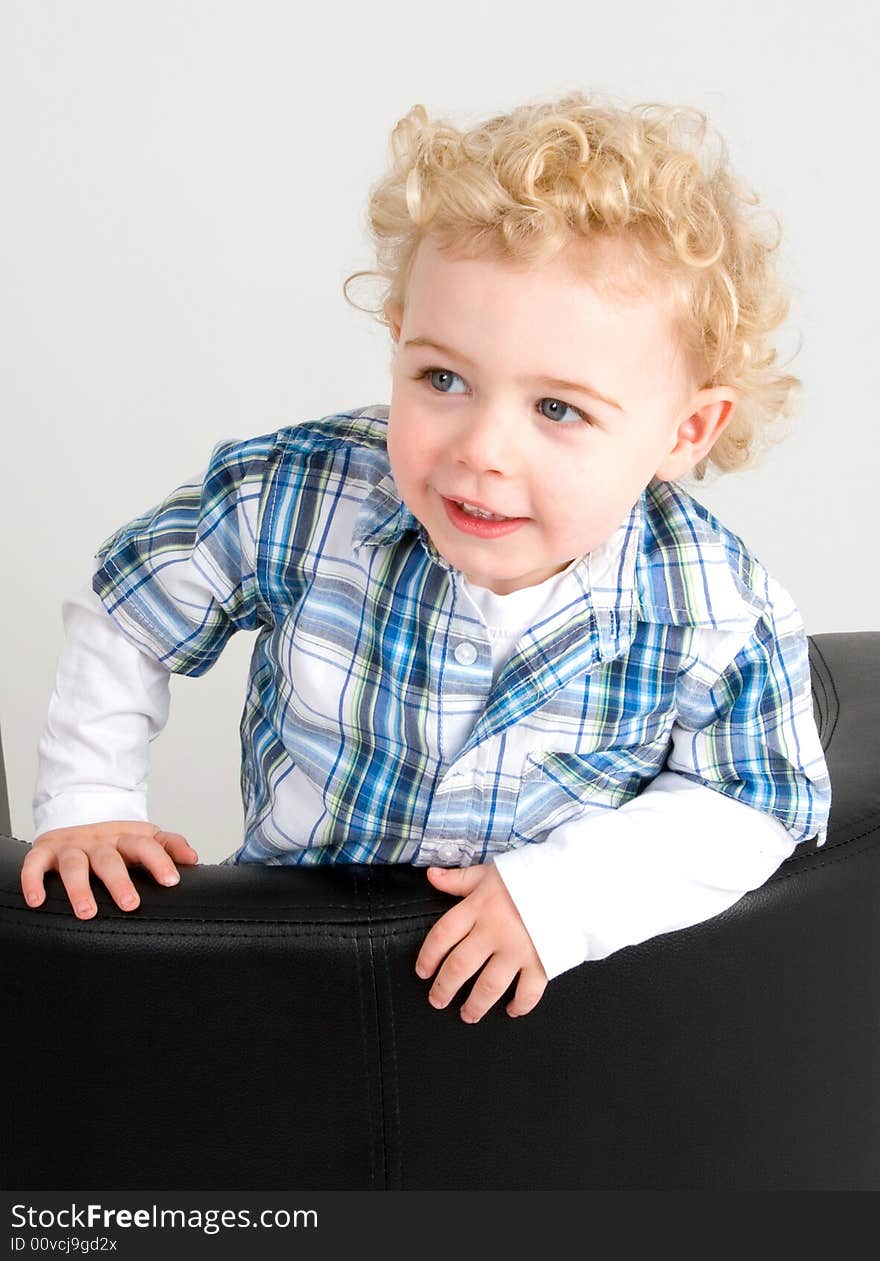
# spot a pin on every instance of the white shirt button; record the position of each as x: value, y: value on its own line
x: 465, y: 653
x: 448, y: 853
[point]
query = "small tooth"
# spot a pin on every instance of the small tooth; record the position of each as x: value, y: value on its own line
x: 479, y: 512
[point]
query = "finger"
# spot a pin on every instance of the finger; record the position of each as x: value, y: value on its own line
x: 447, y: 932
x: 147, y: 851
x: 37, y: 862
x: 177, y: 846
x: 457, y: 880
x: 492, y: 982
x: 73, y: 868
x: 109, y: 865
x: 466, y: 959
x: 529, y: 993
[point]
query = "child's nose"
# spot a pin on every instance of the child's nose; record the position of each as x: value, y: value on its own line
x: 486, y: 440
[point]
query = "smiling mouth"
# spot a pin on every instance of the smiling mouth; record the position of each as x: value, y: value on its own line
x: 480, y: 522
x: 473, y: 511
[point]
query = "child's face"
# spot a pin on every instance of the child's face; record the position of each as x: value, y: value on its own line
x: 481, y: 422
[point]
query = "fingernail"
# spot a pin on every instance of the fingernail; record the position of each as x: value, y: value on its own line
x: 83, y: 908
x: 171, y: 878
x: 32, y: 899
x: 421, y: 971
x: 128, y: 902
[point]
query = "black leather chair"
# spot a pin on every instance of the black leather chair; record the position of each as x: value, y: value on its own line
x: 264, y: 1028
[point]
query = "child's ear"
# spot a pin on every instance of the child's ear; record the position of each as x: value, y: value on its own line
x: 712, y: 412
x: 394, y: 315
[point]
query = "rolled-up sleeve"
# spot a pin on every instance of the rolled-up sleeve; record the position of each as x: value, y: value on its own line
x: 751, y: 734
x: 180, y: 578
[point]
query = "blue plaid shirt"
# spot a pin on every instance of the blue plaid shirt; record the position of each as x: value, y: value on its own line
x: 670, y: 648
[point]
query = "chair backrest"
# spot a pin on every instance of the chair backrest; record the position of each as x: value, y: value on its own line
x: 265, y: 1027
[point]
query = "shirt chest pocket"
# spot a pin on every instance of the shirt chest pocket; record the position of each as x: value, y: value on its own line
x: 559, y: 787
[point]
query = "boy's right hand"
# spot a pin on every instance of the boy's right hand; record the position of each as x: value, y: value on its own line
x: 106, y: 848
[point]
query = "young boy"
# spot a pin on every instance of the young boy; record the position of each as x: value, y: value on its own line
x: 495, y: 636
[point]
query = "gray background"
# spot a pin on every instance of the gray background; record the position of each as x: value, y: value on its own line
x: 183, y: 190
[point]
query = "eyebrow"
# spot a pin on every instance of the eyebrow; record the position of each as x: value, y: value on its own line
x: 557, y: 384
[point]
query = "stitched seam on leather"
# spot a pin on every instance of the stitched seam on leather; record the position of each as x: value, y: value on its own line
x: 65, y: 912
x: 381, y: 1074
x: 829, y: 861
x: 817, y: 686
x: 873, y: 816
x: 127, y: 930
x: 395, y: 1077
x: 366, y: 1054
x: 809, y: 856
x: 833, y: 687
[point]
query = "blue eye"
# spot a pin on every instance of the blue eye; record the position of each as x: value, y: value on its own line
x: 562, y: 408
x: 439, y: 372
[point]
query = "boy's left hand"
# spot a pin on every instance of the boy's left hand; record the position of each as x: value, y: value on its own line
x: 485, y: 925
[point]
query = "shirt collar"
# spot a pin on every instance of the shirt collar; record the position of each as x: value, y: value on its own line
x: 690, y: 569
x: 384, y: 518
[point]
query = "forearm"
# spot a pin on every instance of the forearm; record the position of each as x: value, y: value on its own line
x: 108, y: 702
x: 674, y: 856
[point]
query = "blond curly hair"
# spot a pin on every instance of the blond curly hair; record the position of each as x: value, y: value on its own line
x: 522, y: 184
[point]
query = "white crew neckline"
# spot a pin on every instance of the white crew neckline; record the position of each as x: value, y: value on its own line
x: 516, y: 609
